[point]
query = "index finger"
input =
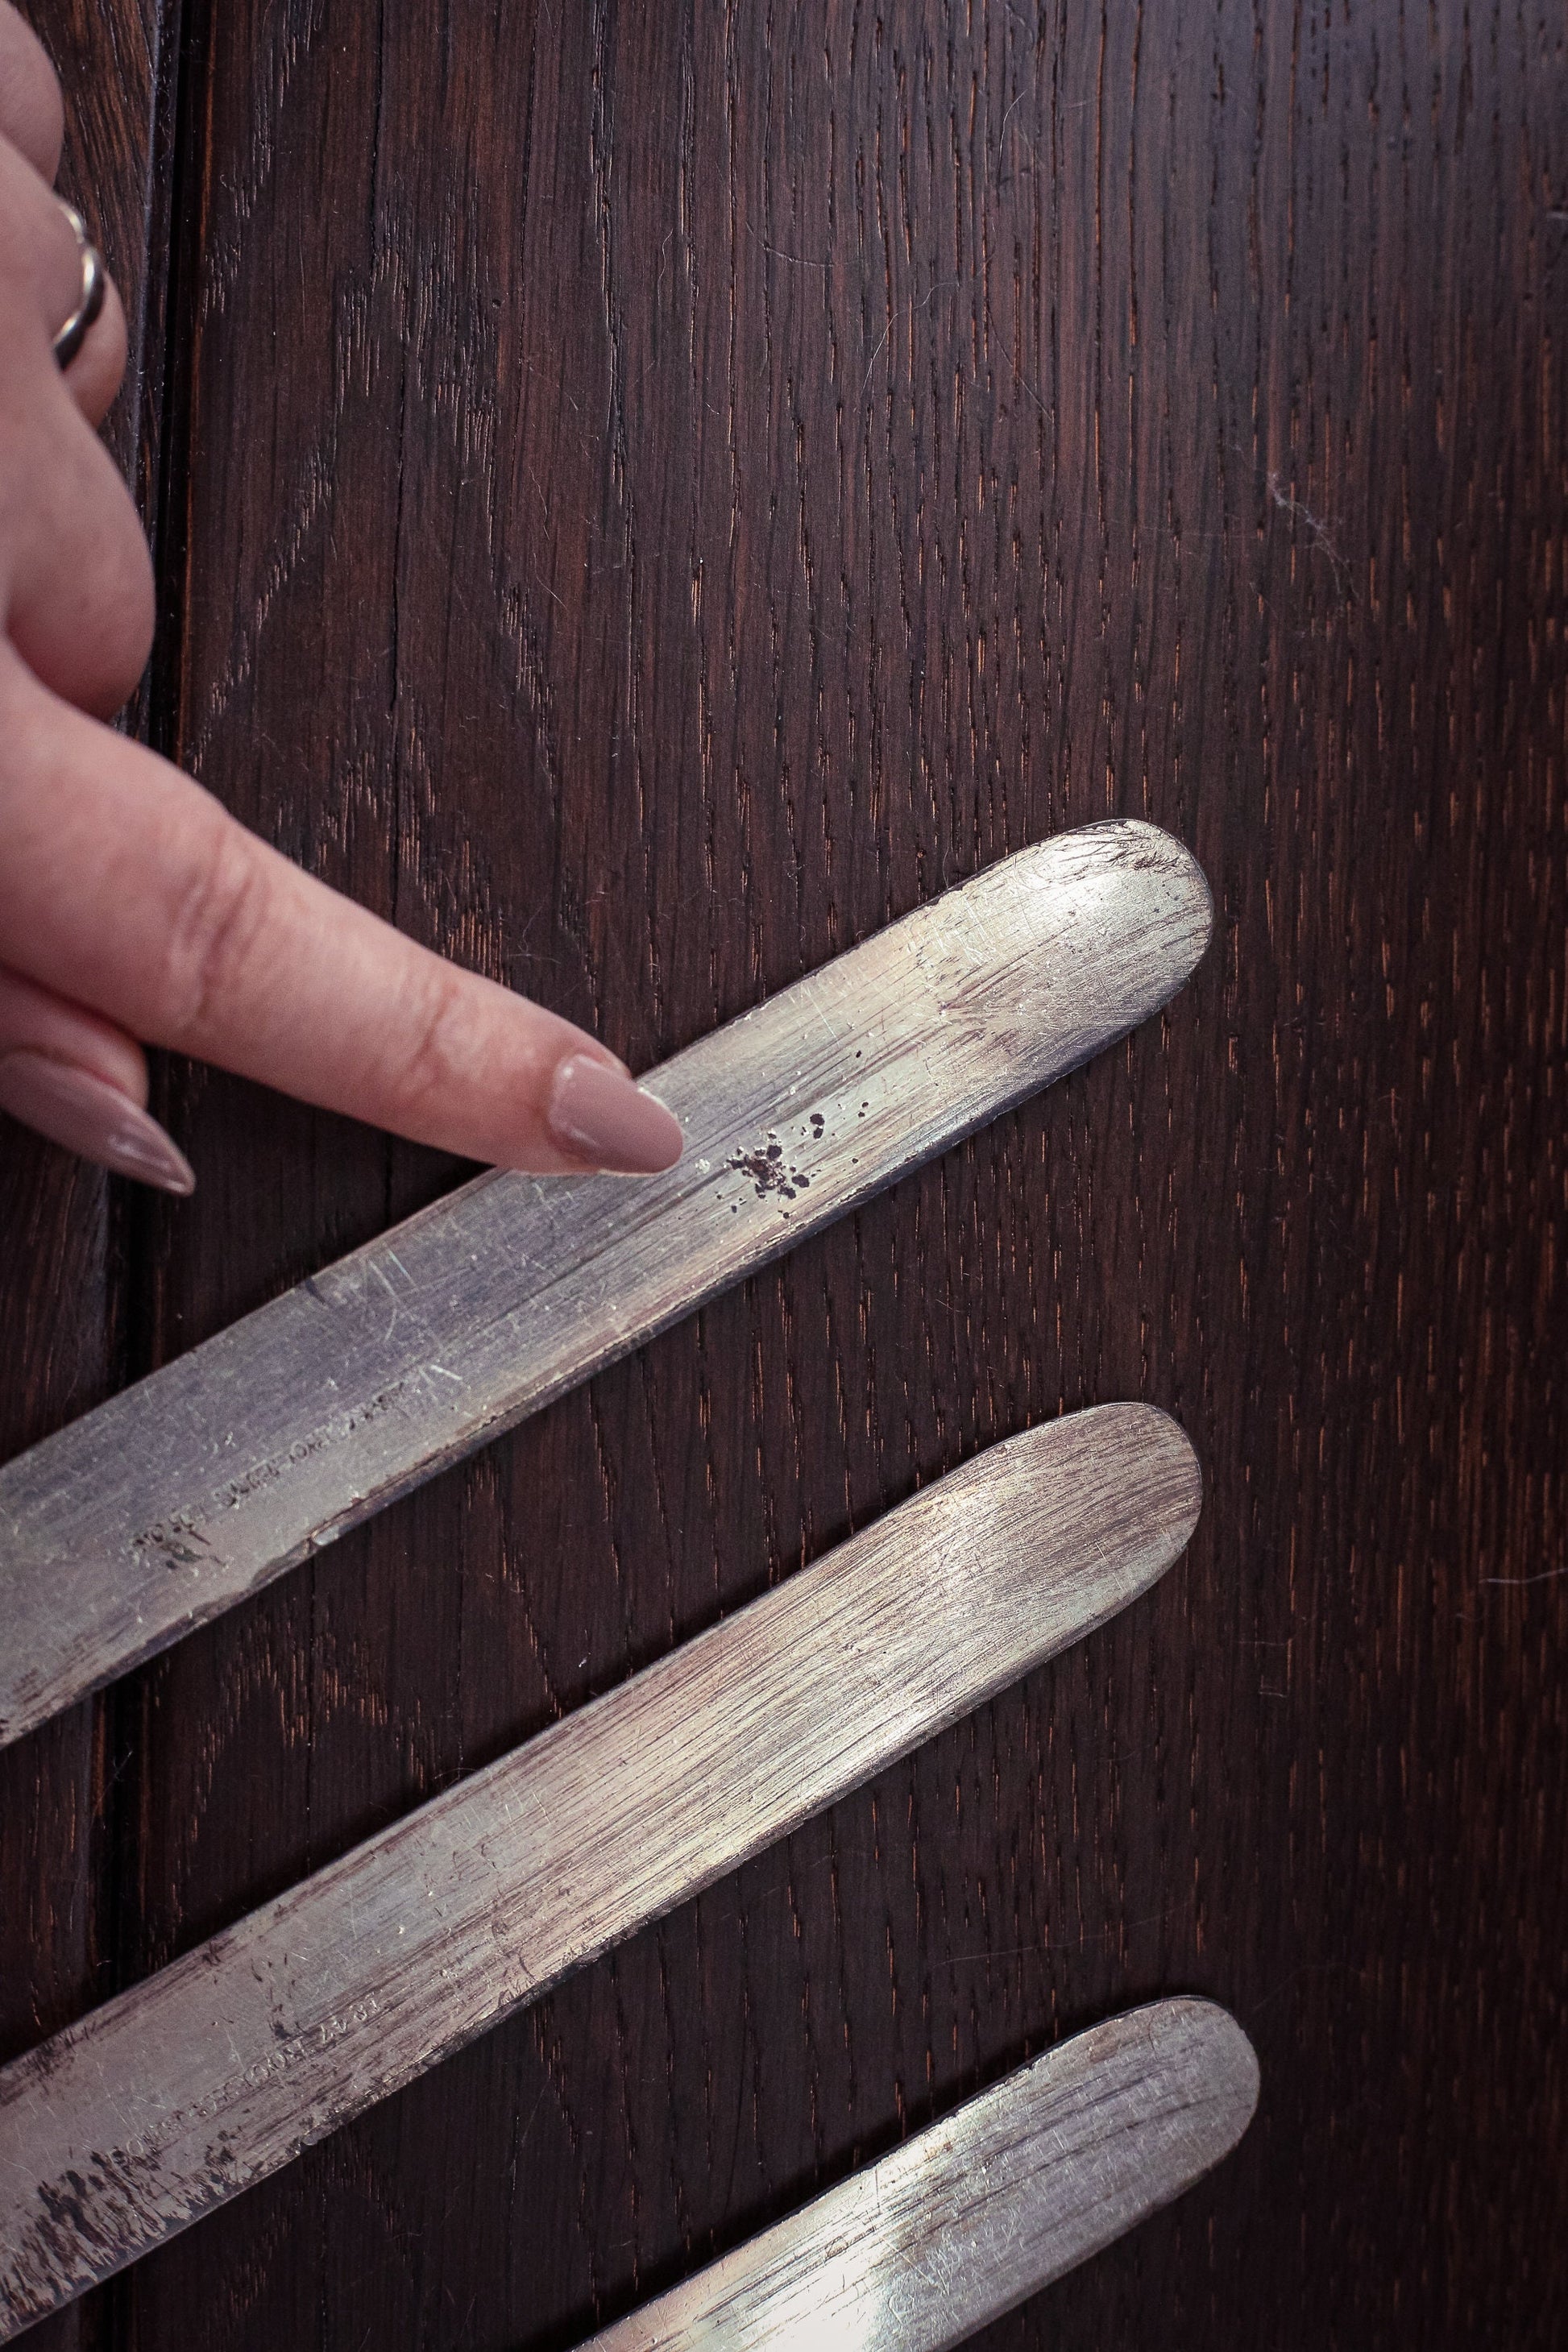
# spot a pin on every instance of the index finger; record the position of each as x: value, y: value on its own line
x: 127, y: 888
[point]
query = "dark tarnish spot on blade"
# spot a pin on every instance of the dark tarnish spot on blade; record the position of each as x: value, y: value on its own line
x: 92, y: 2221
x: 97, y: 2219
x: 769, y: 1171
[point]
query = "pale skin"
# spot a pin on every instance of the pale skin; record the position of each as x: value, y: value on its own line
x: 135, y: 910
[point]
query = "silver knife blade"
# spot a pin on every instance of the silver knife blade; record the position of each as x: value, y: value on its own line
x: 197, y: 1485
x: 204, y: 2078
x: 969, y: 2218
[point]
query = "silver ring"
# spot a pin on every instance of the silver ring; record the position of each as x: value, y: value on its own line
x: 94, y: 278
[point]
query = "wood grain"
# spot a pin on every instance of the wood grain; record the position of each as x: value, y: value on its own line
x: 977, y: 2212
x: 194, y: 1488
x: 207, y: 2077
x: 666, y: 492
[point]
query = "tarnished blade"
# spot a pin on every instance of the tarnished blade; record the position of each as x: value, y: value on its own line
x: 173, y: 1501
x: 966, y: 2220
x: 211, y: 2075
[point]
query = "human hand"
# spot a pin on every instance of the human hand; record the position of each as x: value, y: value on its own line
x: 133, y: 908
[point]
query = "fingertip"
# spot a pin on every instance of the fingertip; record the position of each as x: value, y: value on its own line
x: 605, y: 1119
x: 75, y: 1108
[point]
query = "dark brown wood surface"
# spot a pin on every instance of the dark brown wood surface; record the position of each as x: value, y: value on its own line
x: 642, y: 497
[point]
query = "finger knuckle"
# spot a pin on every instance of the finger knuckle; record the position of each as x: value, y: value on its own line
x: 213, y: 937
x: 429, y: 1048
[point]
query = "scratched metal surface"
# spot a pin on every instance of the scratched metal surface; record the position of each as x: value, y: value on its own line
x: 209, y: 2075
x: 962, y: 2222
x: 186, y: 1491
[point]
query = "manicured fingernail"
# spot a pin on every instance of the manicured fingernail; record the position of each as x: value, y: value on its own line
x: 608, y: 1121
x: 88, y: 1116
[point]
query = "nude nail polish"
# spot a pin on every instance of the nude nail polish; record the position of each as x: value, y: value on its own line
x: 605, y: 1118
x: 88, y: 1116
